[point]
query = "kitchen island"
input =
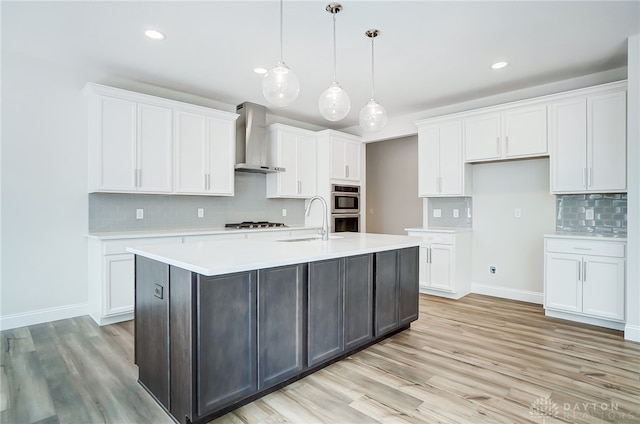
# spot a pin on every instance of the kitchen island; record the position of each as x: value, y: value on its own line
x: 222, y: 323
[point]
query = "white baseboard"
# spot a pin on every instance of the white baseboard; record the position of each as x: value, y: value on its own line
x: 7, y: 322
x: 632, y: 333
x: 507, y: 293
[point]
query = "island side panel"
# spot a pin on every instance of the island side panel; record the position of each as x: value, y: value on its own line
x: 182, y: 352
x: 358, y: 300
x: 325, y: 327
x: 152, y: 326
x: 227, y: 325
x: 408, y: 285
x: 281, y: 323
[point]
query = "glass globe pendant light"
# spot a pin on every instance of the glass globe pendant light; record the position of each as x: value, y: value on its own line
x: 334, y: 103
x: 280, y: 86
x: 373, y: 116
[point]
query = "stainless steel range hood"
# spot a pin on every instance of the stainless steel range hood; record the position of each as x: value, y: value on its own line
x: 251, y: 141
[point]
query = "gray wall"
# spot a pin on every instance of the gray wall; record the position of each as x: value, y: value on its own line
x: 392, y: 186
x: 117, y: 212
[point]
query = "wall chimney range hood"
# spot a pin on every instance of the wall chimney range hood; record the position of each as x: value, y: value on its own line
x: 251, y: 142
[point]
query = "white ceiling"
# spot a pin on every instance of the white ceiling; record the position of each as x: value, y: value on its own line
x: 429, y: 53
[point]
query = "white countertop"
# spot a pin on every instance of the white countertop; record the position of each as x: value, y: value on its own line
x: 117, y: 235
x: 228, y: 256
x: 588, y: 236
x: 448, y: 230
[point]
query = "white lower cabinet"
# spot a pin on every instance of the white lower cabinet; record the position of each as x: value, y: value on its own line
x: 585, y: 280
x: 445, y: 262
x: 111, y: 277
x: 112, y: 269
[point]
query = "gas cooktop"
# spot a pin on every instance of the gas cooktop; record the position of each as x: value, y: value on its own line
x: 255, y: 224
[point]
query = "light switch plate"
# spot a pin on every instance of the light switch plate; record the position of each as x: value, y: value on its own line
x: 437, y: 213
x: 139, y: 213
x: 456, y: 213
x: 200, y: 212
x: 588, y: 214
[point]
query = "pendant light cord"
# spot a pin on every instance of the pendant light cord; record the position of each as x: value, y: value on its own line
x: 334, y: 47
x: 281, y: 43
x: 372, y: 75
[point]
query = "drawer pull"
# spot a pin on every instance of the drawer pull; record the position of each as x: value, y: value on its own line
x: 582, y: 248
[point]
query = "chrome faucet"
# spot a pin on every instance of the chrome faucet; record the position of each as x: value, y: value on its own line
x: 325, y: 211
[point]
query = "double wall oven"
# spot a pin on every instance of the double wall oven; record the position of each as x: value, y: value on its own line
x: 345, y: 208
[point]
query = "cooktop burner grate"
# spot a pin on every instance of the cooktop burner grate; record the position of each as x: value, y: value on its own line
x: 254, y: 224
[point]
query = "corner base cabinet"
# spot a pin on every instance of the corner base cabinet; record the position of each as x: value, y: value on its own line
x: 585, y: 280
x: 206, y: 345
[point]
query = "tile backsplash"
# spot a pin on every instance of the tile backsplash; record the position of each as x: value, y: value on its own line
x: 117, y: 212
x: 609, y: 213
x: 447, y: 206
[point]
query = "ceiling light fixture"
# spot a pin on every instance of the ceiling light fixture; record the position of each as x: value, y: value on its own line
x: 499, y: 65
x: 260, y: 71
x: 334, y: 103
x: 280, y: 86
x: 154, y: 34
x: 373, y: 116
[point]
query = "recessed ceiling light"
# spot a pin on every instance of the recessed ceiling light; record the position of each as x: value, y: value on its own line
x: 260, y: 70
x: 499, y: 65
x: 154, y: 35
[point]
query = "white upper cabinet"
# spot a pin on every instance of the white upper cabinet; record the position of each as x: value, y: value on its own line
x: 293, y: 149
x: 204, y: 153
x: 441, y: 170
x: 130, y: 146
x: 346, y: 155
x: 146, y: 144
x: 510, y: 133
x: 588, y: 142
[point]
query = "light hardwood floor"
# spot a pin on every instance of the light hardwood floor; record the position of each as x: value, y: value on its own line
x: 476, y: 360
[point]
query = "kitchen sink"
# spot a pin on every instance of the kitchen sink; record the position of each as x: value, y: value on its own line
x: 306, y: 238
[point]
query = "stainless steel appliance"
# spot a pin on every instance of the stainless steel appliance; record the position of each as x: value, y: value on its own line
x: 345, y: 208
x: 345, y: 199
x: 341, y: 223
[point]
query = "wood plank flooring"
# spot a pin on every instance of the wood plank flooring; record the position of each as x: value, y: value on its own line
x: 479, y: 359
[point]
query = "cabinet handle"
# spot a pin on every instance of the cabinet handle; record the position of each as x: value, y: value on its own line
x: 135, y: 178
x: 584, y: 272
x: 346, y: 171
x: 581, y: 248
x: 205, y: 181
x: 498, y: 145
x: 299, y: 187
x: 579, y: 268
x: 139, y: 177
x: 439, y: 184
x: 589, y: 173
x: 506, y: 145
x: 208, y: 181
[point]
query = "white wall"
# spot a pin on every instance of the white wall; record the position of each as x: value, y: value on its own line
x: 632, y: 328
x: 513, y: 245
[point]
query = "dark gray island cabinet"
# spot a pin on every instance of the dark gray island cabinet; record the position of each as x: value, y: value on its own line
x: 206, y: 345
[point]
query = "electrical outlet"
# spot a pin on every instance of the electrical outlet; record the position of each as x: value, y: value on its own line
x: 456, y: 213
x: 284, y: 212
x: 200, y: 212
x: 437, y: 213
x: 588, y: 214
x: 517, y: 212
x: 139, y: 213
x: 492, y: 269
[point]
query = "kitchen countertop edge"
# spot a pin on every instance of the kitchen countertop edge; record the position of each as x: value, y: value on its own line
x: 120, y: 235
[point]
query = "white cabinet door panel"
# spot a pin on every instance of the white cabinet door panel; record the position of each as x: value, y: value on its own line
x: 451, y: 164
x: 603, y: 287
x: 307, y: 167
x: 568, y: 134
x: 221, y: 152
x: 119, y: 296
x: 116, y: 126
x: 525, y: 131
x: 428, y: 162
x: 482, y: 137
x: 154, y: 148
x: 441, y: 267
x: 606, y: 143
x: 190, y: 170
x: 563, y: 289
